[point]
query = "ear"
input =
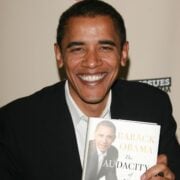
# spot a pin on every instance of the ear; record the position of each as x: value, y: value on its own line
x: 58, y: 55
x: 124, y: 53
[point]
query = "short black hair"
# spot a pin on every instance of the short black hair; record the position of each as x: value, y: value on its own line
x: 91, y: 8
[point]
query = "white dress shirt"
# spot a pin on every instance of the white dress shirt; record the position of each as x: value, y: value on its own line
x: 100, y: 158
x: 80, y: 120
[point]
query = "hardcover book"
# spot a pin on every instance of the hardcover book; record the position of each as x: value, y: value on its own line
x: 119, y: 149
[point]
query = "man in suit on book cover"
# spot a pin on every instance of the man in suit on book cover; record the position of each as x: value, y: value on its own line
x: 42, y: 136
x: 101, y: 150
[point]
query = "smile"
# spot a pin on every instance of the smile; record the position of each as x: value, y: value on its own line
x: 92, y: 78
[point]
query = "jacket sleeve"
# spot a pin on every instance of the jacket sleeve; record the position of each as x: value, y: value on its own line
x: 8, y: 166
x: 168, y: 141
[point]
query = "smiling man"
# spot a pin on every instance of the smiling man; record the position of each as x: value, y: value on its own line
x: 42, y: 136
x: 101, y: 150
x: 91, y: 53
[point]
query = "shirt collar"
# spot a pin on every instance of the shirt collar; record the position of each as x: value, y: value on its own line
x: 76, y: 113
x: 101, y: 153
x: 106, y: 112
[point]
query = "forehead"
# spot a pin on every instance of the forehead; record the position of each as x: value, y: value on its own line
x: 84, y: 27
x: 104, y: 129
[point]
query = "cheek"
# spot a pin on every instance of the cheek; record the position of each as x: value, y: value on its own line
x: 110, y: 142
x: 98, y: 140
x: 70, y: 65
x: 113, y: 62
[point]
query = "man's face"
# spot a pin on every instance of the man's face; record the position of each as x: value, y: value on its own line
x: 104, y: 136
x: 91, y: 55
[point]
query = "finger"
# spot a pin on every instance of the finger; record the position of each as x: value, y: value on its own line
x: 154, y: 171
x: 168, y: 174
x: 158, y: 172
x: 162, y: 158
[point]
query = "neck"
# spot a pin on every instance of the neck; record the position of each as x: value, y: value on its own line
x: 93, y: 110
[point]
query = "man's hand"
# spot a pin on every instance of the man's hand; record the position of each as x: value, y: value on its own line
x: 160, y: 171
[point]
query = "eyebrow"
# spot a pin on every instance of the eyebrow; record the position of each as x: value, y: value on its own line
x: 108, y: 42
x: 79, y: 43
x: 75, y: 43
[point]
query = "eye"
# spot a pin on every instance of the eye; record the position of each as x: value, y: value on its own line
x: 110, y: 137
x: 106, y: 48
x: 100, y: 135
x: 77, y: 50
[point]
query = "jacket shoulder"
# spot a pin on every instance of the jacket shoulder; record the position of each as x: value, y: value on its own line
x: 139, y: 91
x: 46, y: 94
x: 139, y: 101
x: 42, y: 103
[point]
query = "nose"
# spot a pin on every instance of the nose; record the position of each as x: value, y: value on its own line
x: 92, y: 59
x: 104, y: 140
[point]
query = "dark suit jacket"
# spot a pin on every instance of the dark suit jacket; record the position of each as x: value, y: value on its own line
x: 92, y: 163
x: 37, y: 137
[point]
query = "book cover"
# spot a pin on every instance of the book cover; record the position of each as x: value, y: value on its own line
x: 119, y: 149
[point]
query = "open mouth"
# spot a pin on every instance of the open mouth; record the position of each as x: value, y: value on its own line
x: 92, y: 78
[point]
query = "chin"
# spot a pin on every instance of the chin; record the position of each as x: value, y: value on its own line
x: 93, y: 100
x: 103, y: 150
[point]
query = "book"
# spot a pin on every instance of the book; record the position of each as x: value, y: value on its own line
x: 128, y: 148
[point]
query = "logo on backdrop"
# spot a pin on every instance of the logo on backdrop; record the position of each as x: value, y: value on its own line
x: 161, y: 83
x: 77, y: 0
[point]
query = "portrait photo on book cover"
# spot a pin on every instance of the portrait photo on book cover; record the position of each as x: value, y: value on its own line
x: 101, y: 152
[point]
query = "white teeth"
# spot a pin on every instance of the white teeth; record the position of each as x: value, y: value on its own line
x: 92, y: 78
